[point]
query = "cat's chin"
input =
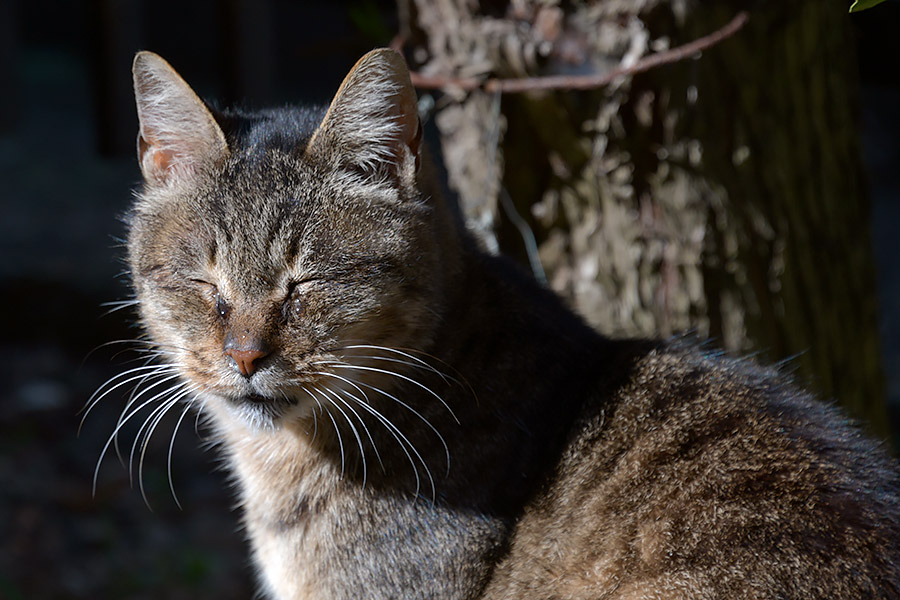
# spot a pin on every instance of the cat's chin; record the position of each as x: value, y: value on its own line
x: 260, y: 412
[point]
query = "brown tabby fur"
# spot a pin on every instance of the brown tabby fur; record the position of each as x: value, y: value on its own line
x: 515, y: 453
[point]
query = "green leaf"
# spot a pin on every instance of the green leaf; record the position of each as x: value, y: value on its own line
x: 859, y: 5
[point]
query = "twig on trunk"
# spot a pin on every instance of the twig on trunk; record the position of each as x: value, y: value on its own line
x: 581, y: 82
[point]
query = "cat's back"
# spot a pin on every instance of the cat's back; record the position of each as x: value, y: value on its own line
x: 697, y: 476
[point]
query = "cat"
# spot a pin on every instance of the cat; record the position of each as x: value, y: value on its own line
x: 406, y: 416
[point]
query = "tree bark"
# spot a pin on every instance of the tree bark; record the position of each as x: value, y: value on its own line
x: 722, y: 195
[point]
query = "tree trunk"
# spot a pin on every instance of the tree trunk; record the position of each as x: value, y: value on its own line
x: 722, y: 195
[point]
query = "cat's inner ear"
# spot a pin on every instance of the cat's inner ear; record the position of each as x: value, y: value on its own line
x: 373, y: 121
x: 178, y: 134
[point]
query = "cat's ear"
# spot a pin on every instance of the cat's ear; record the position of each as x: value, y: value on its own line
x: 373, y: 121
x: 178, y: 134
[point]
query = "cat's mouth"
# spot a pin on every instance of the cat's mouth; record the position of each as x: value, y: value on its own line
x: 260, y: 410
x: 255, y: 399
x: 259, y: 401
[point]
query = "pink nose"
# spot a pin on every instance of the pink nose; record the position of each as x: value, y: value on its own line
x: 244, y: 359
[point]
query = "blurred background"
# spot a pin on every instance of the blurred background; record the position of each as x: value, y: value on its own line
x: 750, y: 195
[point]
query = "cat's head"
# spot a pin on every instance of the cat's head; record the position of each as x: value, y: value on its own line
x: 267, y: 248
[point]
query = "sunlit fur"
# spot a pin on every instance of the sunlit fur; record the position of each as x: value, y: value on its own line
x: 426, y: 421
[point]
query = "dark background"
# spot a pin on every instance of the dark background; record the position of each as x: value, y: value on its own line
x: 67, y: 131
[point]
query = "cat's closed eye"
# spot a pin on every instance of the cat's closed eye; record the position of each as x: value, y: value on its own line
x: 211, y: 292
x: 294, y: 306
x: 222, y: 307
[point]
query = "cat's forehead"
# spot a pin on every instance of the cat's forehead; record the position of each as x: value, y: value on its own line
x: 265, y: 177
x: 273, y: 216
x: 259, y: 211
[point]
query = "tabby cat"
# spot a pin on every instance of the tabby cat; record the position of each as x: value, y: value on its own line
x: 406, y: 416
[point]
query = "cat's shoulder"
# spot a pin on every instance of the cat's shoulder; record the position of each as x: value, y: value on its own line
x: 687, y: 396
x: 694, y: 473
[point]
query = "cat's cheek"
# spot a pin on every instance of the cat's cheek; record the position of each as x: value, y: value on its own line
x: 388, y: 321
x: 200, y: 372
x: 312, y: 327
x: 175, y: 336
x: 158, y: 319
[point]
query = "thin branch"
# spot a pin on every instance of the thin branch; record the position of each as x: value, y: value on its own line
x: 584, y: 82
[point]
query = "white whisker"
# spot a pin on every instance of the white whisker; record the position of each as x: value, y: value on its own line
x: 112, y: 437
x: 197, y: 418
x: 118, y: 305
x: 136, y: 342
x: 139, y: 345
x: 417, y: 362
x: 177, y: 393
x: 315, y: 419
x: 385, y: 372
x: 94, y: 399
x: 362, y: 451
x: 395, y: 432
x: 416, y: 413
x: 166, y: 407
x: 361, y: 402
x: 139, y: 436
x: 135, y: 395
x: 365, y: 405
x: 398, y: 435
x: 187, y: 407
x: 337, y: 432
